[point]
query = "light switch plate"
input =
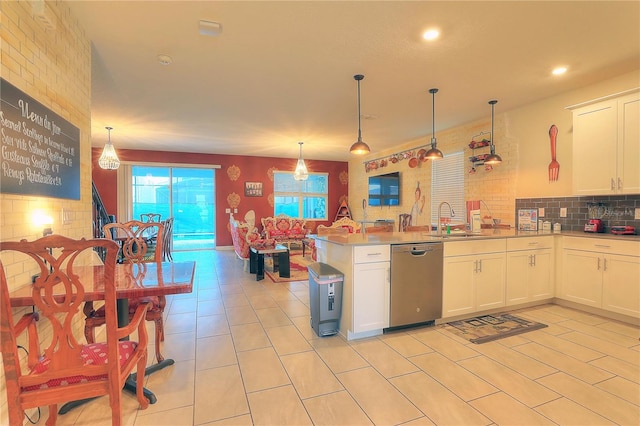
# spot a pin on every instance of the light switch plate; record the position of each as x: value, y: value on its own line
x: 66, y: 216
x: 563, y: 212
x: 541, y: 212
x: 227, y: 211
x: 637, y: 213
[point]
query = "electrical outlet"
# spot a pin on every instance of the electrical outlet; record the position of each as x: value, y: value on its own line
x: 541, y: 212
x: 66, y: 216
x: 227, y: 211
x: 563, y: 212
x: 235, y: 210
x: 637, y: 216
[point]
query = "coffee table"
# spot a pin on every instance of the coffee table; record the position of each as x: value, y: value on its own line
x: 280, y: 262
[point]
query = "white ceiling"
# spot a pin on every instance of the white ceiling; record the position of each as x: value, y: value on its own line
x: 282, y: 72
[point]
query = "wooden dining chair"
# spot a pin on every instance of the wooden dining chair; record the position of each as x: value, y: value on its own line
x: 58, y: 368
x: 167, y: 243
x: 418, y: 228
x: 139, y: 243
x: 150, y: 217
x: 378, y: 229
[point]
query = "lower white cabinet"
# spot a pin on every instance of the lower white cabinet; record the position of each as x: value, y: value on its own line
x: 474, y: 276
x: 530, y: 269
x: 602, y: 274
x: 371, y: 288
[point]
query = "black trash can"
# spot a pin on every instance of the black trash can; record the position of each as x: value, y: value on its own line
x: 325, y: 297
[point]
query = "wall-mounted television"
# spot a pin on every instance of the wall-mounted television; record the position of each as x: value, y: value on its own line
x: 384, y: 190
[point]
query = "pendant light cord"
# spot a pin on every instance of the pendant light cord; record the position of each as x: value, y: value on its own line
x: 359, y: 114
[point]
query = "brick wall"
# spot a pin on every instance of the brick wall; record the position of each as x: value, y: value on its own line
x: 52, y: 66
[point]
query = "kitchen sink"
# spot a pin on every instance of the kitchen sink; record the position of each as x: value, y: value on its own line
x: 457, y: 235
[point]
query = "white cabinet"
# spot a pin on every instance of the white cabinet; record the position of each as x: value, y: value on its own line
x: 606, y: 146
x: 474, y: 276
x: 529, y: 269
x: 371, y: 288
x: 603, y: 274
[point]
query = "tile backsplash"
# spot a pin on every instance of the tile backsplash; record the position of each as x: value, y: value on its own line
x: 612, y: 209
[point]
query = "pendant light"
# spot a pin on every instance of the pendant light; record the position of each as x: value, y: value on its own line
x: 359, y: 147
x: 109, y: 159
x: 434, y: 153
x: 301, y: 172
x: 493, y: 158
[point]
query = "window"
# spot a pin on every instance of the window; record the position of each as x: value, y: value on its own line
x: 447, y: 184
x: 306, y: 199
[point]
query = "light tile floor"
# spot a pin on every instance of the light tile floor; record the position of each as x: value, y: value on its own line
x: 245, y: 354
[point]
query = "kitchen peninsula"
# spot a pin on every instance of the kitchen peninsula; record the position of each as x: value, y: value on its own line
x: 491, y: 271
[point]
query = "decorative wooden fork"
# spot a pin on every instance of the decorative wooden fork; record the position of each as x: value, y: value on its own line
x: 554, y: 166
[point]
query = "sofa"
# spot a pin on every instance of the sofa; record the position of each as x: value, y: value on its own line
x: 245, y: 235
x: 284, y: 229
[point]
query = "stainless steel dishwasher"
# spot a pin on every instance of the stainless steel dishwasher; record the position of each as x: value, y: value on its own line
x: 416, y: 284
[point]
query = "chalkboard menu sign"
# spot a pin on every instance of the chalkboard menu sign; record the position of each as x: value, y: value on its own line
x: 40, y: 149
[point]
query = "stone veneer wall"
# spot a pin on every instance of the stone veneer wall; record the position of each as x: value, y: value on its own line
x: 52, y: 66
x: 615, y: 210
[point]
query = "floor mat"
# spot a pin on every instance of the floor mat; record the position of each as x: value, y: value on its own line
x: 298, y: 265
x: 487, y: 328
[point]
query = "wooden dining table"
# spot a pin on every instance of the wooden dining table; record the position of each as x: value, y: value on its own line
x: 132, y: 281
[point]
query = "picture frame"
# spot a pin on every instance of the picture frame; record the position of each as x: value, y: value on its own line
x: 253, y: 189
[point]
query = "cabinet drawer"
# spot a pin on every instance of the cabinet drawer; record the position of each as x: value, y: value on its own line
x: 602, y: 245
x: 529, y: 243
x: 366, y: 254
x: 461, y: 248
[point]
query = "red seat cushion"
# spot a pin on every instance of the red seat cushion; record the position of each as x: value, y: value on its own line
x: 133, y: 306
x: 94, y: 353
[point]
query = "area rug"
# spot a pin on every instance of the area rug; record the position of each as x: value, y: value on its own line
x: 487, y: 328
x: 298, y: 265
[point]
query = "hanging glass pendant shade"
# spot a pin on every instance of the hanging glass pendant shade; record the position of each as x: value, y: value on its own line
x: 301, y: 172
x: 109, y: 159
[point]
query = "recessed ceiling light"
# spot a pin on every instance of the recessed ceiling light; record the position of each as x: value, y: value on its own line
x: 431, y: 34
x: 559, y: 70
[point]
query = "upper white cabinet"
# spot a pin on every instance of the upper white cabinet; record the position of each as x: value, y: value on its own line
x: 606, y: 146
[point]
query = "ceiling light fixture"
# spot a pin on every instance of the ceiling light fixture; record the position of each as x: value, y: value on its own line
x: 359, y: 147
x: 209, y: 28
x: 493, y: 158
x: 559, y: 70
x: 434, y: 153
x: 165, y: 59
x: 301, y: 172
x: 109, y: 159
x: 431, y: 34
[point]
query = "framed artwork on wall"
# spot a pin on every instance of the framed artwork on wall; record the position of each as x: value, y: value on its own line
x: 253, y: 189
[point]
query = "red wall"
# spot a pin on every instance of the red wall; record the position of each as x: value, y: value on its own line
x: 251, y: 169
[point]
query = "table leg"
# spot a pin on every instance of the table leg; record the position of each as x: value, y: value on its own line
x: 260, y: 267
x: 253, y: 262
x: 284, y: 265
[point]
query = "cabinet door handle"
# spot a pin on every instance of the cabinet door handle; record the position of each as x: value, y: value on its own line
x: 533, y: 258
x: 602, y: 245
x: 598, y: 264
x: 613, y: 184
x: 480, y: 265
x: 533, y: 243
x: 619, y: 183
x: 604, y: 262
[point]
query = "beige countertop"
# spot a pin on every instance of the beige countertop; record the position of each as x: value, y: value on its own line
x: 361, y: 239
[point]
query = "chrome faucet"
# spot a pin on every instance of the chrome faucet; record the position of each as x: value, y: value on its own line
x: 451, y: 214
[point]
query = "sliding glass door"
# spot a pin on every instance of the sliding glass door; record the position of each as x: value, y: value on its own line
x: 186, y: 194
